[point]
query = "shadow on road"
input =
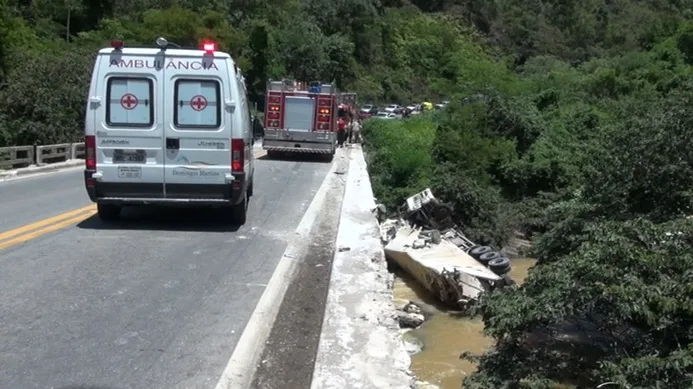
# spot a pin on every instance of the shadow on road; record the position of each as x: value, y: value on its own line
x: 155, y: 218
x: 298, y: 157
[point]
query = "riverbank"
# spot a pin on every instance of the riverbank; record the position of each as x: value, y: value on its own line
x: 445, y: 334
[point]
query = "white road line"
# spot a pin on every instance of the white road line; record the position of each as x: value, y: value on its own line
x: 240, y: 370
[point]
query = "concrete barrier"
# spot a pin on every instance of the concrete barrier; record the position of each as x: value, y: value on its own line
x: 17, y: 157
x: 360, y: 344
x: 53, y: 153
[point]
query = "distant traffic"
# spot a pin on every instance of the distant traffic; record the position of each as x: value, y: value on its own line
x: 396, y: 111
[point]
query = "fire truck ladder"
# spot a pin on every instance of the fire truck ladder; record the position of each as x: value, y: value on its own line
x: 290, y: 85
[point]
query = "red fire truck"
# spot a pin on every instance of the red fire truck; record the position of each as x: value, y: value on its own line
x: 300, y: 117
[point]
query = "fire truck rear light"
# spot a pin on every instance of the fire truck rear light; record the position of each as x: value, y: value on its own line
x: 275, y: 99
x: 325, y: 111
x: 273, y: 115
x: 324, y: 103
x: 324, y: 119
x: 323, y: 126
x: 274, y: 108
x: 274, y: 123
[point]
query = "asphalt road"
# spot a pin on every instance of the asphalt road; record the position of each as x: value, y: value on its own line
x: 155, y: 301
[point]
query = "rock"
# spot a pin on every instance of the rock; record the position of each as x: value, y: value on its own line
x: 412, y: 308
x: 425, y: 385
x: 410, y: 320
x: 412, y: 344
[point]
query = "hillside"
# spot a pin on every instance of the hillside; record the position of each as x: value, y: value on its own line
x: 570, y: 121
x: 584, y: 145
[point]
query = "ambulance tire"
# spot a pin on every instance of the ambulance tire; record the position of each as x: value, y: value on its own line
x: 239, y: 212
x: 250, y: 188
x: 108, y: 212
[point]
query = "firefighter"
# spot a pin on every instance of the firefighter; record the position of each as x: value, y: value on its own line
x: 341, y: 131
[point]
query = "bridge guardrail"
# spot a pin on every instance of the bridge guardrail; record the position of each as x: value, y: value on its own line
x: 16, y: 157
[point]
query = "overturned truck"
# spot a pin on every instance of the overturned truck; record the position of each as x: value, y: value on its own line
x: 429, y: 246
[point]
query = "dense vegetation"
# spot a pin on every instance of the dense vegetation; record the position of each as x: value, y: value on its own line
x: 378, y: 50
x: 573, y: 125
x: 570, y: 120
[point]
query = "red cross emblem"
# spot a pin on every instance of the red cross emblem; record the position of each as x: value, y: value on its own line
x: 129, y: 101
x: 198, y: 103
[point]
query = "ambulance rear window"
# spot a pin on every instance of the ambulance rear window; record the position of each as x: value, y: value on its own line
x: 197, y: 104
x: 130, y: 102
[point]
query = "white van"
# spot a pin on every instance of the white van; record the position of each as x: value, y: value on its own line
x: 168, y: 126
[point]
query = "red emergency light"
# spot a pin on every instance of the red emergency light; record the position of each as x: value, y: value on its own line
x: 117, y: 44
x: 209, y: 47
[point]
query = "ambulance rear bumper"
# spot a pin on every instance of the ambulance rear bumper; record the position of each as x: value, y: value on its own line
x: 169, y: 194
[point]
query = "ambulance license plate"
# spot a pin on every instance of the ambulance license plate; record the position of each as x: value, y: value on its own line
x: 129, y: 156
x: 129, y: 172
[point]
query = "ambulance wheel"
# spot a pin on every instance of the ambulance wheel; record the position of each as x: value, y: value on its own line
x: 239, y: 211
x: 108, y: 212
x: 250, y: 188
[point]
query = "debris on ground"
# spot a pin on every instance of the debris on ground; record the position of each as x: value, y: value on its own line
x: 427, y: 244
x: 425, y: 385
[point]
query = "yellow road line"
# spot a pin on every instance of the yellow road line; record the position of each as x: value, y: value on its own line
x: 85, y: 213
x: 45, y: 222
x: 33, y: 230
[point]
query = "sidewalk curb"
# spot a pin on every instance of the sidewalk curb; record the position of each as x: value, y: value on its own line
x: 4, y: 174
x: 360, y: 344
x: 243, y: 364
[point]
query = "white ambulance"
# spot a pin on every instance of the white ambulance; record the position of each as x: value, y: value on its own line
x: 168, y: 126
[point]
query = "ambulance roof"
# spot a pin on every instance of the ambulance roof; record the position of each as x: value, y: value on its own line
x: 152, y: 51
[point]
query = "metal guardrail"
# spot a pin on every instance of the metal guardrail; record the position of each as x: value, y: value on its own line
x: 22, y: 156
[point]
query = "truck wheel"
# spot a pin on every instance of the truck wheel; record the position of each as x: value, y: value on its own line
x: 250, y: 188
x: 239, y: 211
x: 108, y: 212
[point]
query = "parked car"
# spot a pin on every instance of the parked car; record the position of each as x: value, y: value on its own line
x: 385, y: 115
x: 392, y: 108
x: 369, y: 109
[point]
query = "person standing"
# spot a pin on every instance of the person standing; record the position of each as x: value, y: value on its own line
x: 356, y: 132
x: 350, y: 130
x: 341, y: 131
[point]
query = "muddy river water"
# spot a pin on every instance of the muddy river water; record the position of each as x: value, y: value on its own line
x: 445, y: 334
